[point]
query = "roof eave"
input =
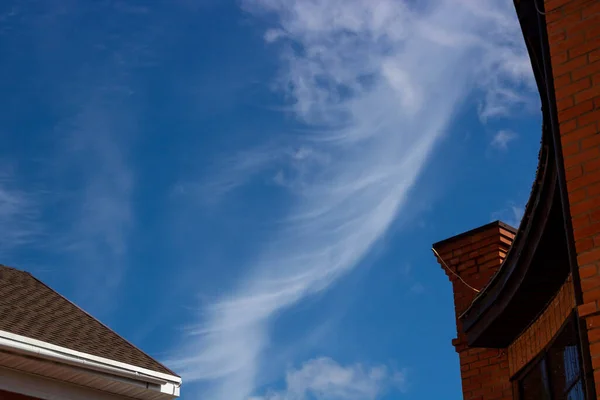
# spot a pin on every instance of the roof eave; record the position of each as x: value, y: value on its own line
x: 494, y: 299
x: 36, y: 349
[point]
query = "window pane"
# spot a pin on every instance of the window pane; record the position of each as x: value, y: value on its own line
x: 576, y: 393
x: 563, y: 359
x: 534, y: 386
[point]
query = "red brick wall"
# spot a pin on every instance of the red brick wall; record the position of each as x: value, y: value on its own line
x: 476, y: 257
x: 535, y: 338
x: 14, y: 396
x: 573, y: 28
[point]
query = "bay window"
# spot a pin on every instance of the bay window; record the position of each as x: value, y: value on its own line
x: 556, y: 373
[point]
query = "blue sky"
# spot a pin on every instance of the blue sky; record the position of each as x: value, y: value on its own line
x: 248, y: 190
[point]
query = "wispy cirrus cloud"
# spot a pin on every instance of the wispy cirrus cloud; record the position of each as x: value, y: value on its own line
x: 325, y: 379
x: 19, y: 214
x: 76, y: 183
x: 85, y: 222
x: 502, y: 139
x: 376, y: 84
x: 99, y: 211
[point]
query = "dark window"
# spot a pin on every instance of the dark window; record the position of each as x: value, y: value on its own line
x: 556, y: 375
x: 534, y: 385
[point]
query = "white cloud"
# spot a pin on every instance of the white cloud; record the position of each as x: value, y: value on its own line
x: 502, y: 139
x: 19, y: 214
x: 82, y: 165
x: 379, y: 82
x: 99, y: 210
x: 325, y: 379
x: 231, y: 173
x: 81, y: 213
x: 511, y: 215
x: 273, y: 35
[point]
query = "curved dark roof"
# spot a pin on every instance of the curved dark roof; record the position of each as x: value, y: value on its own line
x: 522, y: 233
x: 536, y: 264
x: 30, y: 308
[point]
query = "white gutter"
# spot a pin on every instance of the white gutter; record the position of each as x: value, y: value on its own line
x: 169, y: 384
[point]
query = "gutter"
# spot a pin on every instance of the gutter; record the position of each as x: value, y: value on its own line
x: 88, y: 363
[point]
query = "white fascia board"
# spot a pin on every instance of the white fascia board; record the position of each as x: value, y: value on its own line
x: 38, y: 387
x: 47, y: 350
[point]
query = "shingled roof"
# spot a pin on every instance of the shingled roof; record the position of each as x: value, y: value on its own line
x: 30, y: 308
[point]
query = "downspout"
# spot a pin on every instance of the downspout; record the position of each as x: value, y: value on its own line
x: 588, y: 371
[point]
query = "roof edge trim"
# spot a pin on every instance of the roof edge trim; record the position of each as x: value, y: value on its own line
x: 127, y: 342
x: 63, y: 355
x: 474, y: 231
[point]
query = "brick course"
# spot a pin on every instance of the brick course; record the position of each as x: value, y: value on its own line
x: 573, y: 28
x: 476, y: 257
x: 531, y: 342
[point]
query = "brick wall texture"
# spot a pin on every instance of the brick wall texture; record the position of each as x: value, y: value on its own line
x: 535, y: 338
x: 573, y: 28
x: 484, y: 372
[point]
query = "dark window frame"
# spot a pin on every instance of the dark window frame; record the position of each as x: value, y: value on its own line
x: 542, y: 357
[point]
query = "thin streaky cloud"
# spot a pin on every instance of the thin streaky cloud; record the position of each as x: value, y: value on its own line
x: 387, y: 88
x: 19, y: 214
x: 101, y: 215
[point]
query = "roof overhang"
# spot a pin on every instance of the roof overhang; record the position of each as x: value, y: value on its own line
x: 537, y: 263
x: 59, y: 363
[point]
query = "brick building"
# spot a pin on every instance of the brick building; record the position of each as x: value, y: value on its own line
x: 527, y: 300
x: 51, y: 349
